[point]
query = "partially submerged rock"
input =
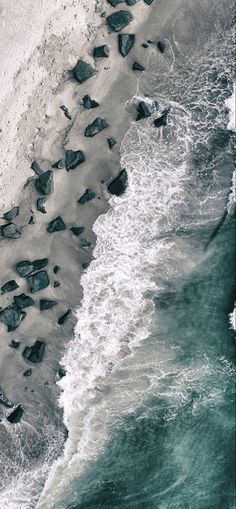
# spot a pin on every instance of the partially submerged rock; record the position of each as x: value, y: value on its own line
x: 44, y: 183
x: 148, y: 2
x: 10, y: 231
x: 4, y: 401
x: 85, y: 243
x: 58, y: 164
x: 11, y: 214
x: 35, y: 352
x: 14, y: 344
x: 114, y: 3
x: 38, y: 281
x: 56, y: 284
x: 28, y: 372
x: 56, y: 225
x: 12, y: 316
x: 56, y: 269
x: 40, y: 205
x: 161, y: 46
x: 125, y: 43
x: 65, y: 111
x: 77, y: 230
x: 16, y: 415
x: 83, y: 71
x: 162, y: 120
x: 47, y: 304
x: 9, y: 286
x: 89, y: 103
x: 25, y: 267
x: 64, y: 317
x: 119, y: 185
x: 111, y: 142
x: 74, y: 159
x: 97, y: 125
x: 143, y: 111
x: 23, y: 301
x: 138, y: 67
x: 101, y: 51
x: 87, y: 196
x: 61, y: 372
x: 119, y: 20
x: 35, y: 166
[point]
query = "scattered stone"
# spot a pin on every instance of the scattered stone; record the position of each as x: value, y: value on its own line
x: 150, y: 41
x: 77, y: 230
x: 89, y: 103
x: 138, y: 67
x: 73, y: 159
x: 111, y: 142
x: 38, y: 281
x: 64, y: 317
x: 44, y: 183
x: 101, y: 51
x: 25, y: 267
x: 4, y: 401
x: 9, y: 286
x: 35, y: 166
x: 40, y: 205
x: 87, y: 196
x: 85, y: 243
x: 83, y: 71
x: 46, y: 304
x: 15, y: 416
x: 31, y: 220
x: 119, y: 20
x: 125, y: 43
x: 56, y: 269
x: 58, y: 164
x: 161, y: 46
x: 162, y: 121
x: 28, y: 372
x: 143, y: 111
x: 56, y: 225
x: 56, y: 284
x: 10, y: 231
x: 66, y: 112
x: 12, y: 316
x: 14, y: 344
x: 11, y: 214
x: 148, y: 2
x: 23, y: 301
x: 97, y: 125
x: 114, y: 3
x: 145, y: 45
x: 35, y: 352
x: 61, y: 372
x: 119, y: 185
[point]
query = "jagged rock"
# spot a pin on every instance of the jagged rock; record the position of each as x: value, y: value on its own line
x: 15, y: 416
x: 28, y: 372
x: 143, y: 111
x: 58, y: 164
x: 56, y: 225
x: 4, y: 401
x: 101, y: 51
x: 83, y: 71
x: 162, y: 121
x: 32, y: 220
x: 35, y: 166
x: 12, y: 316
x: 14, y: 344
x: 89, y: 103
x: 119, y: 20
x: 125, y: 43
x: 11, y: 214
x: 44, y: 183
x: 40, y: 205
x: 114, y: 3
x: 97, y: 125
x: 66, y: 112
x: 119, y: 185
x: 61, y: 372
x: 23, y: 301
x: 10, y: 231
x: 87, y: 196
x: 73, y: 159
x: 161, y: 46
x: 38, y: 281
x: 138, y: 67
x: 111, y: 142
x: 47, y: 304
x: 77, y: 230
x: 148, y: 2
x: 64, y: 317
x: 25, y: 267
x: 85, y: 243
x: 35, y: 352
x: 9, y: 286
x: 56, y: 269
x: 56, y: 284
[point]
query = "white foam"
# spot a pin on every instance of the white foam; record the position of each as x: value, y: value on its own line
x: 230, y: 104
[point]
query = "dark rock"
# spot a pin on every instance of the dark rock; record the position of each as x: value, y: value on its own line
x: 103, y: 14
x: 61, y: 372
x: 77, y: 230
x: 40, y: 263
x: 73, y: 159
x: 89, y: 103
x: 14, y: 344
x: 119, y: 20
x: 15, y: 416
x: 66, y: 112
x: 12, y: 316
x: 56, y: 269
x: 101, y: 51
x: 85, y: 243
x: 40, y: 205
x: 28, y: 372
x: 10, y: 231
x: 114, y: 3
x: 56, y: 284
x: 9, y: 286
x: 111, y: 142
x: 143, y: 111
x: 25, y: 267
x: 38, y: 281
x: 83, y: 71
x: 87, y: 196
x: 148, y: 2
x: 44, y: 183
x: 119, y: 185
x: 58, y: 164
x: 64, y: 317
x: 97, y: 125
x: 4, y: 401
x: 11, y: 214
x: 138, y: 67
x: 125, y: 43
x: 145, y: 45
x: 131, y: 2
x: 161, y: 46
x: 56, y: 225
x: 47, y: 304
x: 35, y: 352
x: 23, y: 301
x: 162, y: 121
x: 85, y: 265
x: 35, y: 166
x: 31, y: 220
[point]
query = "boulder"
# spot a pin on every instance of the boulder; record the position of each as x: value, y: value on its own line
x: 85, y: 265
x: 83, y: 71
x: 15, y: 416
x: 138, y: 67
x: 119, y: 20
x: 77, y: 230
x: 40, y: 205
x: 4, y: 401
x: 9, y: 286
x: 35, y: 166
x: 56, y: 225
x: 66, y: 112
x: 23, y: 301
x: 12, y: 316
x: 97, y: 125
x: 125, y: 43
x: 35, y: 352
x: 28, y: 372
x: 143, y: 111
x: 161, y: 46
x: 64, y: 317
x: 47, y: 304
x: 56, y: 269
x: 145, y: 45
x: 31, y: 220
x: 61, y: 372
x: 148, y: 2
x: 56, y: 284
x: 10, y: 231
x: 119, y: 185
x: 87, y: 196
x: 114, y: 3
x: 58, y: 164
x: 162, y: 120
x: 89, y: 103
x: 111, y: 142
x: 101, y: 51
x: 85, y: 243
x: 11, y: 214
x: 38, y: 281
x: 25, y: 267
x: 44, y: 183
x: 131, y: 2
x: 73, y: 159
x: 14, y: 344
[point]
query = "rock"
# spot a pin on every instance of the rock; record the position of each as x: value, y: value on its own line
x: 114, y: 3
x: 131, y: 2
x: 28, y: 372
x: 25, y: 267
x: 64, y: 317
x: 35, y: 352
x: 56, y: 284
x: 119, y: 185
x: 61, y: 372
x: 40, y: 205
x: 89, y: 103
x: 56, y: 269
x: 38, y: 281
x: 12, y: 316
x: 145, y: 45
x: 119, y: 20
x: 58, y: 164
x: 56, y: 225
x: 125, y: 43
x: 138, y: 67
x: 14, y: 344
x: 111, y: 142
x: 44, y: 183
x: 85, y: 265
x: 15, y: 416
x: 77, y: 230
x: 83, y: 71
x: 143, y: 111
x: 66, y: 112
x: 161, y: 46
x: 4, y: 401
x: 101, y: 51
x: 35, y: 166
x: 23, y: 301
x: 31, y: 220
x: 9, y: 286
x: 40, y: 263
x: 162, y: 121
x: 87, y: 196
x: 73, y: 159
x: 85, y: 243
x: 97, y: 125
x: 148, y: 2
x: 47, y: 304
x: 11, y: 214
x: 10, y: 231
